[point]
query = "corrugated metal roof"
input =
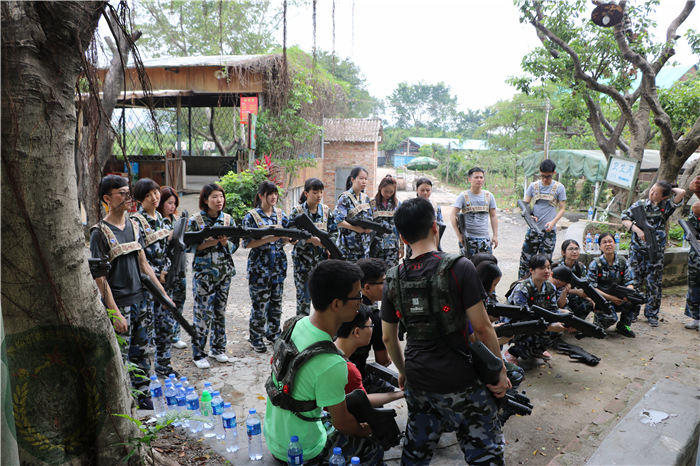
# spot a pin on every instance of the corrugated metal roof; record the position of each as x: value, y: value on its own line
x: 466, y: 144
x: 352, y: 129
x: 666, y: 76
x: 214, y: 60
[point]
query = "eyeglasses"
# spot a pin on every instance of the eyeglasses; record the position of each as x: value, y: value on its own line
x: 359, y: 298
x: 365, y: 326
x: 546, y: 177
x: 573, y: 249
x: 124, y: 193
x: 374, y: 283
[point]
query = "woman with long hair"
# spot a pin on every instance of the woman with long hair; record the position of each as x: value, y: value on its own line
x: 386, y: 247
x: 354, y: 241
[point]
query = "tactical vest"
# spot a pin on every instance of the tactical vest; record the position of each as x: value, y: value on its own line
x: 259, y: 221
x: 603, y: 269
x: 551, y: 197
x: 475, y: 208
x: 540, y: 298
x: 655, y: 214
x: 200, y: 220
x: 426, y: 296
x: 577, y: 269
x: 117, y: 249
x: 357, y: 206
x: 152, y: 235
x: 380, y: 214
x: 323, y: 224
x: 286, y: 362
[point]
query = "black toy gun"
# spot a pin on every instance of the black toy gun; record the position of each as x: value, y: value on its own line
x: 176, y: 253
x: 382, y: 373
x: 640, y: 219
x: 576, y: 352
x: 622, y: 292
x: 585, y: 328
x: 462, y: 224
x: 165, y: 301
x: 601, y: 303
x: 525, y: 327
x: 99, y: 267
x: 369, y: 225
x: 197, y: 237
x: 527, y: 215
x: 381, y: 420
x: 304, y: 222
x: 517, y: 313
x: 691, y: 235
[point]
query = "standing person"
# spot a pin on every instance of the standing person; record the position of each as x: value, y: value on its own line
x: 478, y: 206
x: 267, y: 267
x: 212, y: 270
x: 692, y: 300
x: 664, y: 198
x: 354, y: 241
x: 443, y: 392
x: 388, y: 248
x: 117, y: 237
x: 550, y: 205
x: 335, y: 293
x: 169, y: 202
x: 424, y: 188
x: 608, y: 270
x: 307, y: 254
x: 156, y: 236
x: 579, y: 303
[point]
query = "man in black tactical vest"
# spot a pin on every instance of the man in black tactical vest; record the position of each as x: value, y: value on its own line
x: 439, y: 299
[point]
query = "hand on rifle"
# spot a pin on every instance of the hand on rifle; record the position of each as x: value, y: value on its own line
x: 499, y: 390
x: 315, y: 241
x: 162, y: 277
x: 222, y: 240
x: 616, y: 301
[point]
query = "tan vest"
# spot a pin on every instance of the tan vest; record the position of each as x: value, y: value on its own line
x: 200, y: 220
x: 151, y: 235
x: 551, y: 198
x: 323, y: 224
x: 357, y: 206
x: 475, y: 208
x: 380, y: 213
x: 259, y: 221
x: 117, y: 249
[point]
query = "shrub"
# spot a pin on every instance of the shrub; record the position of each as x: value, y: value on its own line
x: 241, y: 189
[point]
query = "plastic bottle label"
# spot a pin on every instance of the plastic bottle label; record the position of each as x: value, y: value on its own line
x: 181, y: 401
x: 193, y: 404
x: 172, y: 400
x: 156, y: 392
x: 229, y: 422
x: 295, y: 459
x: 206, y: 409
x: 253, y: 429
x: 218, y: 409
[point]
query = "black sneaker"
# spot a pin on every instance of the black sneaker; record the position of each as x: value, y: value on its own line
x: 653, y: 321
x: 146, y: 403
x: 625, y: 330
x: 166, y: 371
x: 258, y: 347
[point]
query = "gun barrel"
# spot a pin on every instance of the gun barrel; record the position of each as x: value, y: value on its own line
x: 508, y: 311
x: 527, y: 215
x: 691, y: 235
x: 586, y: 328
x: 304, y: 222
x: 370, y: 225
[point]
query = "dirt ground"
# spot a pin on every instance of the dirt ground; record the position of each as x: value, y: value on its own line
x: 569, y: 396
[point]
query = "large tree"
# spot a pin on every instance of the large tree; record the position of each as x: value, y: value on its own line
x: 423, y: 105
x: 67, y: 375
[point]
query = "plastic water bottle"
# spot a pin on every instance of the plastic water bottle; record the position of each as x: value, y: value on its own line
x: 589, y: 243
x: 254, y: 429
x: 157, y: 395
x: 596, y: 246
x: 171, y: 398
x: 295, y: 455
x: 685, y: 241
x: 355, y: 460
x: 184, y: 382
x: 617, y: 242
x: 337, y: 459
x: 217, y: 409
x: 205, y: 410
x: 590, y: 213
x: 193, y: 408
x: 173, y: 379
x: 228, y: 419
x: 181, y: 404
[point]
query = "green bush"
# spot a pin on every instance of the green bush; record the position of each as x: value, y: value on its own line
x: 676, y: 233
x: 241, y: 189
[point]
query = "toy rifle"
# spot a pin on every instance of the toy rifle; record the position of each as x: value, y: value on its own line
x: 601, y: 303
x: 516, y: 313
x: 462, y: 224
x: 382, y: 373
x: 196, y: 237
x: 576, y: 352
x: 622, y: 292
x: 525, y: 327
x: 99, y: 267
x: 304, y: 222
x: 369, y: 225
x: 381, y: 420
x: 586, y: 329
x: 691, y: 235
x: 640, y: 219
x: 176, y: 253
x: 527, y: 215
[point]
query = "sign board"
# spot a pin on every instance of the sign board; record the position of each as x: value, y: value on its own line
x: 622, y: 172
x: 251, y: 131
x: 248, y: 105
x: 208, y: 145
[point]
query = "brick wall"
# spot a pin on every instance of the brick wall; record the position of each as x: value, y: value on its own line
x: 348, y: 155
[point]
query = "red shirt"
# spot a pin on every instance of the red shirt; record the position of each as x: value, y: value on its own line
x: 354, y: 379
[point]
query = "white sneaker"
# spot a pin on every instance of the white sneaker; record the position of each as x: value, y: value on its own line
x: 179, y: 344
x: 202, y: 363
x: 219, y: 357
x: 693, y: 324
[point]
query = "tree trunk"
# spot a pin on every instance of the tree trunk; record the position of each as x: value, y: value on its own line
x: 66, y: 373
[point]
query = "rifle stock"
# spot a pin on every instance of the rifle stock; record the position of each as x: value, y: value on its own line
x: 600, y: 302
x: 99, y: 267
x: 369, y: 225
x: 508, y: 311
x: 304, y: 222
x: 197, y: 237
x: 691, y: 235
x: 622, y: 292
x: 526, y: 327
x: 381, y: 420
x: 640, y: 219
x: 383, y: 373
x: 527, y: 215
x: 585, y: 328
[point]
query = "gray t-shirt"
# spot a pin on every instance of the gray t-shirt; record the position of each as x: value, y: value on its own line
x: 543, y: 210
x: 477, y: 223
x: 124, y: 276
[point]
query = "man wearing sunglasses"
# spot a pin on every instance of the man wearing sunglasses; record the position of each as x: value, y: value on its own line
x: 550, y: 205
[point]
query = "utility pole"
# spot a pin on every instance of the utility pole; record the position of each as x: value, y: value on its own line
x: 546, y: 135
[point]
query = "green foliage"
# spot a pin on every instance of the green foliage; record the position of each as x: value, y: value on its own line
x: 676, y: 233
x: 682, y: 103
x: 419, y: 105
x: 241, y: 189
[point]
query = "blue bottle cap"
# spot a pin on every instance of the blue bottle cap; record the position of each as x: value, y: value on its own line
x: 207, y: 384
x: 183, y: 378
x: 178, y: 385
x: 355, y: 460
x: 227, y: 404
x: 252, y: 411
x: 190, y: 389
x: 295, y: 438
x: 154, y: 377
x: 213, y: 394
x: 337, y: 451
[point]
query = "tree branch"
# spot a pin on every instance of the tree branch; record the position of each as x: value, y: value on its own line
x: 691, y: 141
x: 672, y: 37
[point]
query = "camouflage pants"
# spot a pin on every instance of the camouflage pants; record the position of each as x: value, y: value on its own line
x: 368, y: 449
x: 149, y: 322
x: 543, y: 243
x: 475, y: 246
x: 136, y: 337
x: 516, y: 374
x: 301, y: 278
x: 524, y: 346
x: 389, y: 256
x: 470, y: 413
x: 650, y: 274
x: 165, y: 324
x: 178, y: 294
x: 266, y: 311
x: 692, y: 301
x: 209, y: 312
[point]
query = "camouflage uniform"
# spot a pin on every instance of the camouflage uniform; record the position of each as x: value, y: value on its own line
x: 438, y: 218
x: 267, y: 269
x: 646, y: 271
x: 388, y: 245
x: 480, y: 215
x: 212, y: 270
x: 581, y: 307
x: 545, y: 242
x: 306, y: 257
x: 471, y: 413
x: 524, y: 346
x: 155, y: 236
x: 601, y: 274
x: 692, y: 301
x: 354, y: 245
x: 179, y: 292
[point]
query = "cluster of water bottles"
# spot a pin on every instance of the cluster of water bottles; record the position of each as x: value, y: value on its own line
x: 593, y: 246
x: 220, y: 419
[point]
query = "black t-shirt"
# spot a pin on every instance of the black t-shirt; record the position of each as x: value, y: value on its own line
x: 359, y: 357
x: 432, y: 365
x: 124, y: 275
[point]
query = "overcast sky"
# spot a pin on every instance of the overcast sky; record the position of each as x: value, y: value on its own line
x: 473, y: 46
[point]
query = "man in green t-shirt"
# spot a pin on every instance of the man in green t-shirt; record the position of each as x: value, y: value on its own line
x: 334, y: 287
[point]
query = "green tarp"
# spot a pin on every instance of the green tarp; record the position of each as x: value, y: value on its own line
x: 588, y: 163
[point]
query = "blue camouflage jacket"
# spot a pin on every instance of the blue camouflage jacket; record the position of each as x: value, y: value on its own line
x: 266, y: 263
